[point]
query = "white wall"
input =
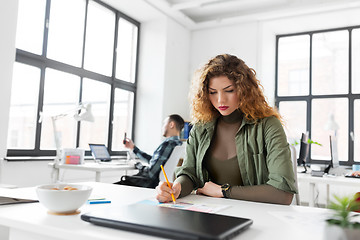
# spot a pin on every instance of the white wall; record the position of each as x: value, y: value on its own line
x: 150, y: 84
x: 163, y: 79
x: 240, y: 40
x: 177, y: 77
x: 8, y: 18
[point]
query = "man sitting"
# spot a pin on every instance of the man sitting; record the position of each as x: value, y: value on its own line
x: 148, y: 176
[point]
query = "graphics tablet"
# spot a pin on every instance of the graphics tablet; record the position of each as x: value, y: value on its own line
x: 168, y: 222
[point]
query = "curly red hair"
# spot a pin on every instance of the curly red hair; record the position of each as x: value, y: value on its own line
x: 252, y: 102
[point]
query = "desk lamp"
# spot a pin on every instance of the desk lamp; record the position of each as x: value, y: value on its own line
x: 81, y: 113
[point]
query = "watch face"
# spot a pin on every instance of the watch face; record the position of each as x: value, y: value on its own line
x: 225, y: 187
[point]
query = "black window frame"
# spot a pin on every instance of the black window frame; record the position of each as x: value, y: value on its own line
x: 309, y: 98
x: 42, y: 62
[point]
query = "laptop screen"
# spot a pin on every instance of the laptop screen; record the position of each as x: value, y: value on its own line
x: 100, y: 152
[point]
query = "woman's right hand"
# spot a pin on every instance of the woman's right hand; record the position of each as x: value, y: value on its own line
x: 164, y: 192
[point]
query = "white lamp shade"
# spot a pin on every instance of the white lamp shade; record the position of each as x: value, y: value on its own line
x: 85, y: 114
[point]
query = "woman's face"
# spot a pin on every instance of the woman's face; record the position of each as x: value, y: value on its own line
x: 223, y: 95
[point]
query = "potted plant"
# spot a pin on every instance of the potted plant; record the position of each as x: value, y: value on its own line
x: 341, y: 226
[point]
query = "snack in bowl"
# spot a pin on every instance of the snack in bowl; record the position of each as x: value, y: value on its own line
x: 63, y: 198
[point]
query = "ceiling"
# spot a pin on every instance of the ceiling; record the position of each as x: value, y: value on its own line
x: 197, y: 14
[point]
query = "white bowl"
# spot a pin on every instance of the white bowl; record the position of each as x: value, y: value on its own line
x: 58, y: 200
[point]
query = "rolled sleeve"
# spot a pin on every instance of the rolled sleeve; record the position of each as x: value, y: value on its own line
x: 280, y: 167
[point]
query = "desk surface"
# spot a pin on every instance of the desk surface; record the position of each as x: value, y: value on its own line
x: 270, y: 221
x: 100, y: 167
x: 329, y: 179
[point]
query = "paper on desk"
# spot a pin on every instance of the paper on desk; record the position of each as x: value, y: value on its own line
x: 188, y: 205
x: 313, y: 222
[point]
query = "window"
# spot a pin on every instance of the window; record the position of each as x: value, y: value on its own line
x: 71, y: 52
x: 317, y: 81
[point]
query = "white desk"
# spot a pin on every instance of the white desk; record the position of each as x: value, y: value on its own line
x: 32, y: 222
x: 328, y: 181
x: 98, y: 168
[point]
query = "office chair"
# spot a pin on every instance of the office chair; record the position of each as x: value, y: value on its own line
x: 171, y: 163
x: 169, y: 167
x: 296, y: 199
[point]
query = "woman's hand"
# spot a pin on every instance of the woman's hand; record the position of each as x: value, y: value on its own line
x: 210, y: 189
x: 164, y: 192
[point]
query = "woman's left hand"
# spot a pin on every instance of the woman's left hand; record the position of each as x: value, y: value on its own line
x: 210, y: 189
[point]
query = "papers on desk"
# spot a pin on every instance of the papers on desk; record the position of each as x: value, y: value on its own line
x: 307, y: 220
x: 187, y: 205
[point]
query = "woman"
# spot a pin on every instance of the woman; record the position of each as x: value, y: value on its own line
x: 237, y: 148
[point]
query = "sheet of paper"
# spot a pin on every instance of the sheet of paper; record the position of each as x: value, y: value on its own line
x: 188, y: 205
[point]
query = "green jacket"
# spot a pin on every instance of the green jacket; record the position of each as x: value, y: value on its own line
x: 262, y: 150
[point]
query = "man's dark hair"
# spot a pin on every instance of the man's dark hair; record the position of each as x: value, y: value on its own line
x: 178, y: 120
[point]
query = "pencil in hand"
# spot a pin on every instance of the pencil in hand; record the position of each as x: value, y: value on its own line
x: 167, y: 181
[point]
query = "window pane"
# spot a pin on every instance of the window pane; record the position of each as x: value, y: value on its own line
x: 355, y: 61
x: 322, y: 111
x: 30, y: 25
x: 126, y: 51
x: 330, y: 67
x: 357, y: 130
x: 123, y: 113
x: 99, y: 45
x: 293, y: 65
x: 23, y: 107
x: 66, y: 31
x: 61, y: 95
x: 294, y: 115
x: 98, y: 94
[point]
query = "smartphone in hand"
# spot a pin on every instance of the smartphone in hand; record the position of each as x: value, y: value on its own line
x: 124, y: 141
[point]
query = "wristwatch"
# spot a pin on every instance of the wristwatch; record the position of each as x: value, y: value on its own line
x: 225, y: 188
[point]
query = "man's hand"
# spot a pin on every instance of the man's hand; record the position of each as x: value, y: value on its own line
x: 210, y: 189
x: 129, y: 144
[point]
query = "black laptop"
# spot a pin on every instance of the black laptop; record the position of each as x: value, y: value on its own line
x: 168, y: 222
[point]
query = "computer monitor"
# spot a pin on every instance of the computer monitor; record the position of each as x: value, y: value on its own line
x: 334, y: 161
x: 304, y: 151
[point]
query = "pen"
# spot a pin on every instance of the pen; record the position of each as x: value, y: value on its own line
x: 167, y: 181
x: 98, y: 201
